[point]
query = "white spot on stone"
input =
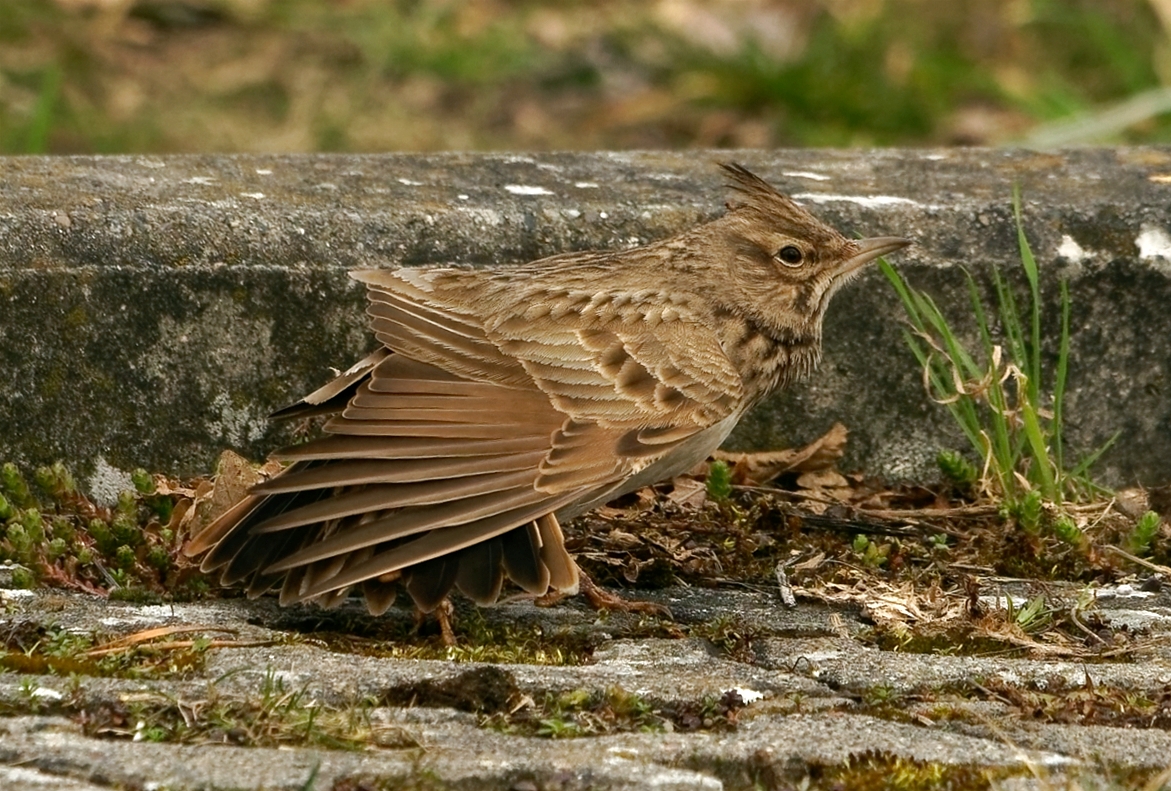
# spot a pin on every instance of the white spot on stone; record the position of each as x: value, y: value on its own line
x: 1123, y: 591
x: 749, y: 696
x: 805, y: 174
x: 868, y: 201
x: 525, y: 189
x: 461, y: 196
x: 204, y: 180
x: 585, y: 185
x: 1070, y: 250
x: 935, y: 157
x: 15, y: 593
x: 483, y: 216
x: 410, y: 183
x: 263, y: 172
x: 257, y: 195
x: 47, y: 694
x: 1153, y: 242
x: 107, y: 482
x: 572, y: 213
x: 1053, y: 759
x: 237, y: 425
x: 603, y: 215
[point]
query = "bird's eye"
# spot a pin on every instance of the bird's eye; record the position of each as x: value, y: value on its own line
x: 790, y: 255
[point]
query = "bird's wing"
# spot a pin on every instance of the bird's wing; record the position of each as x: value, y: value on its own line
x: 632, y: 375
x: 471, y: 429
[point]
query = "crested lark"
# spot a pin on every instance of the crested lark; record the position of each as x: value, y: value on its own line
x: 504, y: 401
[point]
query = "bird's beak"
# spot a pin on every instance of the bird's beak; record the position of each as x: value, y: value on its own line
x: 869, y: 249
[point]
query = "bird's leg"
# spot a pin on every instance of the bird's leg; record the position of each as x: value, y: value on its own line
x: 443, y: 614
x: 601, y: 599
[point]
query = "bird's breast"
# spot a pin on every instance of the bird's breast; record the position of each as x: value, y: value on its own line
x: 767, y: 359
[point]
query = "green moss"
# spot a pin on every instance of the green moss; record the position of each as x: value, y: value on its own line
x: 477, y: 640
x: 719, y: 480
x: 1146, y: 528
x: 71, y: 540
x: 891, y: 772
x: 14, y: 485
x: 48, y: 650
x: 581, y: 713
x: 143, y: 482
x: 55, y: 481
x: 272, y: 717
x: 23, y: 578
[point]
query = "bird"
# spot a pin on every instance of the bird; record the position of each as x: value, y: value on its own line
x: 500, y: 403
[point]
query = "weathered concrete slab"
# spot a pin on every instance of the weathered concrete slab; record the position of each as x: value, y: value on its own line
x: 154, y: 309
x: 805, y: 707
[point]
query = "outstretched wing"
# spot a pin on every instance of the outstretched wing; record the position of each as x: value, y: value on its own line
x: 446, y: 463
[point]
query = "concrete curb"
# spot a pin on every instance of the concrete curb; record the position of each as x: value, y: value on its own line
x: 154, y: 309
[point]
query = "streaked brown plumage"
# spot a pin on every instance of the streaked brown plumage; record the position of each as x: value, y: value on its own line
x: 505, y: 401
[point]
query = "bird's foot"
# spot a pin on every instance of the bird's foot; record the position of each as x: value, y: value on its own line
x: 443, y: 615
x: 601, y: 599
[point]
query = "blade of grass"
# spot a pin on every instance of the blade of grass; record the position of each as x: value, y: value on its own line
x: 1084, y: 465
x: 967, y: 366
x: 1059, y: 382
x: 1029, y: 264
x: 1009, y: 317
x: 981, y: 317
x: 1007, y: 452
x: 1040, y: 469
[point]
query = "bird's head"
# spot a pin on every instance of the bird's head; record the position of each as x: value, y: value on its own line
x: 784, y: 262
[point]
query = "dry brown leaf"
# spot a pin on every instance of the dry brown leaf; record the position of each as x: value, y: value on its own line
x: 235, y: 475
x: 688, y: 491
x: 757, y: 469
x: 178, y: 514
x: 170, y: 487
x: 823, y: 480
x: 809, y: 565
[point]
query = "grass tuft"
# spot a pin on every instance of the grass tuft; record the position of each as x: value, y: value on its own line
x: 995, y: 392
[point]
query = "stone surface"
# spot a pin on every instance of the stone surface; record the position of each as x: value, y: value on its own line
x: 806, y: 684
x: 154, y: 309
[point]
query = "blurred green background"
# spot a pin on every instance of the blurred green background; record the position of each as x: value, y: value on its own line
x: 361, y: 75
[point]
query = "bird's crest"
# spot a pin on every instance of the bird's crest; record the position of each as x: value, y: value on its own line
x: 756, y: 194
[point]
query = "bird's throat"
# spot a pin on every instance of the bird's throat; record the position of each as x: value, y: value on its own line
x: 767, y: 357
